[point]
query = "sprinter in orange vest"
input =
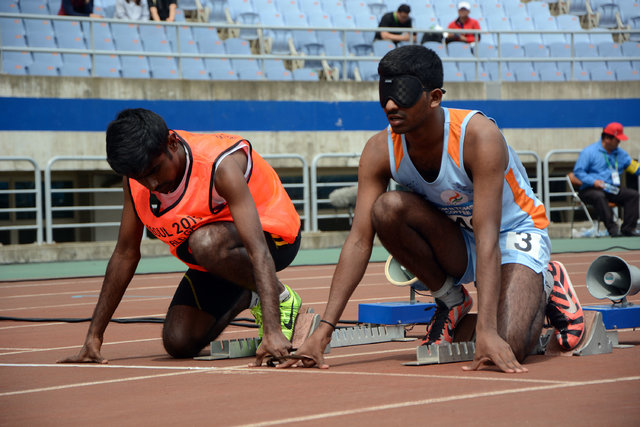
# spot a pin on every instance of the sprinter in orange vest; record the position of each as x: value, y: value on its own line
x: 470, y: 215
x: 223, y: 211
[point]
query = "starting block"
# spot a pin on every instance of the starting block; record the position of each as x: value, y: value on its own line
x: 395, y: 313
x: 617, y: 316
x: 595, y: 339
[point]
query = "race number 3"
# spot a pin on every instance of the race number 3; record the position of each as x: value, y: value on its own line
x: 524, y: 242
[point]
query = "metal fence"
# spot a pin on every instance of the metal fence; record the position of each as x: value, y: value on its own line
x: 309, y: 191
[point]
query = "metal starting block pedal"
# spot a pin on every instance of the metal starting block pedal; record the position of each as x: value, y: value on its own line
x: 444, y: 353
x: 368, y: 334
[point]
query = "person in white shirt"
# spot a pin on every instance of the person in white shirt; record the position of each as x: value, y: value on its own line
x: 134, y: 10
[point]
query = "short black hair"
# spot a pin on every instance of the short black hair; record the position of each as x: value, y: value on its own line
x: 404, y: 8
x: 134, y: 139
x: 414, y: 60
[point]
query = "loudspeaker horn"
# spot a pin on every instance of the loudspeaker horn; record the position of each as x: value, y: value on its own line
x: 611, y: 277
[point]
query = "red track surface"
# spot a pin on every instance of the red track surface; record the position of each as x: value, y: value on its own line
x: 365, y: 385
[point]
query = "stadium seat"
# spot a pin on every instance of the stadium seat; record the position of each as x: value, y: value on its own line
x: 628, y: 9
x: 538, y: 9
x: 135, y: 67
x: 500, y: 25
x: 74, y: 70
x: 597, y: 37
x: 311, y: 7
x: 12, y: 32
x: 194, y: 69
x: 526, y: 23
x: 368, y: 70
x: 278, y: 39
x: 578, y: 7
x: 550, y: 25
x: 571, y: 24
x: 288, y: 6
x: 552, y: 75
x: 609, y: 15
x: 38, y: 26
x: 305, y: 74
x: 265, y: 6
x: 163, y: 67
x: 634, y: 24
x: 248, y: 18
x: 515, y: 9
x: 274, y: 70
x: 16, y: 62
x: 107, y: 66
x: 218, y: 10
x: 348, y: 21
x: 526, y: 74
x: 79, y: 59
x: 247, y: 69
x: 220, y: 69
x: 300, y: 37
x: 378, y: 9
x: 9, y: 7
x: 627, y: 74
x: 35, y: 7
x: 381, y: 47
x: 67, y: 29
x: 53, y: 59
x: 126, y: 37
x: 40, y: 69
x: 151, y: 43
x: 602, y: 74
x: 610, y: 50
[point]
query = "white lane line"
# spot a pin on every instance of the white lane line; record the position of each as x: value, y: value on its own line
x: 423, y: 402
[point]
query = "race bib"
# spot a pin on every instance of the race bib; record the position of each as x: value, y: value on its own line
x: 528, y: 243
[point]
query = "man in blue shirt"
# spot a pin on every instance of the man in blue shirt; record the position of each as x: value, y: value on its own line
x: 599, y: 167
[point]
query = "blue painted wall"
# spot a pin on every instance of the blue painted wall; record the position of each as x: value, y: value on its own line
x: 49, y: 114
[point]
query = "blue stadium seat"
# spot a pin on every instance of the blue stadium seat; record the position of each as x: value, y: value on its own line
x: 536, y: 50
x: 437, y: 47
x: 292, y: 6
x: 39, y: 69
x: 634, y: 24
x: 538, y: 9
x: 278, y: 39
x: 237, y: 46
x: 525, y: 23
x: 381, y: 47
x: 628, y: 9
x: 367, y: 21
x: 609, y: 15
x: 135, y: 67
x: 220, y: 69
x: 218, y: 9
x: 516, y: 9
x: 578, y: 7
x: 53, y: 59
x: 494, y: 10
x: 528, y: 74
x: 572, y: 23
x: 551, y: 25
x: 194, y: 69
x: 356, y: 7
x: 247, y: 69
x: 265, y: 6
x: 208, y: 40
x: 36, y: 7
x: 368, y: 70
x: 552, y: 75
x: 445, y: 11
x: 462, y: 50
x: 313, y: 49
x: 126, y: 37
x: 311, y: 7
x: 38, y: 26
x: 597, y: 38
x: 488, y: 51
x: 12, y: 32
x: 43, y: 40
x: 107, y: 66
x: 164, y: 67
x: 248, y: 18
x: 378, y: 9
x: 502, y: 24
x: 16, y: 62
x: 67, y: 29
x: 300, y: 37
x: 305, y: 74
x: 451, y: 72
x: 154, y: 39
x: 9, y: 7
x: 274, y: 70
x: 101, y: 32
x: 610, y: 50
x: 348, y: 21
x: 627, y: 74
x: 602, y: 74
x: 79, y: 59
x: 630, y: 48
x: 74, y: 70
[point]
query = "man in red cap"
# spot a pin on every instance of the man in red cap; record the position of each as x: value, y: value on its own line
x: 599, y: 168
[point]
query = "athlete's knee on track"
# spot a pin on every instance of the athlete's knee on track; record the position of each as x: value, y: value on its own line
x: 179, y: 344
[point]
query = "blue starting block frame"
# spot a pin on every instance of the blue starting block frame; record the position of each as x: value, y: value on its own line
x: 618, y: 316
x: 396, y: 313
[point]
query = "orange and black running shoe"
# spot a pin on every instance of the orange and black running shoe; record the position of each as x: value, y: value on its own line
x: 444, y: 321
x: 563, y: 308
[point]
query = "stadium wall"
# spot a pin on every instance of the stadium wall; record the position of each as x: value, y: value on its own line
x: 45, y: 117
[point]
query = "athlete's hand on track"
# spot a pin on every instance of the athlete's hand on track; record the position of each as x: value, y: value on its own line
x: 491, y: 348
x: 311, y: 351
x: 274, y: 344
x: 90, y: 353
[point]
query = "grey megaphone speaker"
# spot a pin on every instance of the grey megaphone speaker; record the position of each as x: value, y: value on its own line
x: 611, y: 277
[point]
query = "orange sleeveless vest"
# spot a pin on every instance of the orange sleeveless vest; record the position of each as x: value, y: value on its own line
x: 196, y: 206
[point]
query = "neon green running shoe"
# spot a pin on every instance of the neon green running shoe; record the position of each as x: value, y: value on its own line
x: 288, y: 313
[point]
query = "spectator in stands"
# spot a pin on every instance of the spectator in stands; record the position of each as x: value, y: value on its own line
x: 233, y: 233
x: 448, y: 229
x: 163, y: 10
x: 399, y: 19
x: 133, y: 10
x: 464, y: 22
x: 598, y: 168
x: 78, y: 8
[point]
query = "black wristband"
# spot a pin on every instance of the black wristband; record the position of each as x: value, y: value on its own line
x: 328, y: 323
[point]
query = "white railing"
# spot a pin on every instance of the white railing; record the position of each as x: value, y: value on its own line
x: 35, y: 192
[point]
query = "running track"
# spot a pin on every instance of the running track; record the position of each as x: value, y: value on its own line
x: 366, y: 385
